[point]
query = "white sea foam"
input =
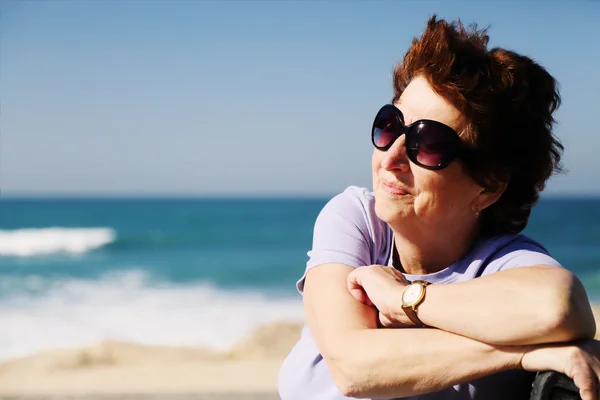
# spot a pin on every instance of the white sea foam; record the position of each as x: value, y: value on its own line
x: 32, y: 242
x: 129, y: 307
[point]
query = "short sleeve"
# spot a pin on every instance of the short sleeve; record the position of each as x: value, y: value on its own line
x: 341, y: 233
x: 522, y: 252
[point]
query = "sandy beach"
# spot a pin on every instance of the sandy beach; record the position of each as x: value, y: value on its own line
x: 126, y: 371
x: 111, y: 370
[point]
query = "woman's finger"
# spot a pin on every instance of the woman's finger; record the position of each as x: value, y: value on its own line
x: 595, y: 367
x: 385, y: 322
x: 586, y: 380
x: 355, y: 288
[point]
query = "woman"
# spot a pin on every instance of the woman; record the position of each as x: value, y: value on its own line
x: 460, y: 158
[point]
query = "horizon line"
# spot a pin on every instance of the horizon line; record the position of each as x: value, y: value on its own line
x: 223, y: 196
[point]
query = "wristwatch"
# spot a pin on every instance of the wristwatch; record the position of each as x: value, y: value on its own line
x: 413, y: 295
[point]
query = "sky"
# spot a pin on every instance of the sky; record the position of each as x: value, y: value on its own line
x: 247, y: 98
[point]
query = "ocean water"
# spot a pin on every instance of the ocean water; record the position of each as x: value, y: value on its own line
x: 193, y: 272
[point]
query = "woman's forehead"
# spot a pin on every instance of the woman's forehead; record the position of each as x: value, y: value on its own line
x: 420, y: 101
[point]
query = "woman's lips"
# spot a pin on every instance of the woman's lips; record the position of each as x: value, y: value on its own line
x: 393, y: 189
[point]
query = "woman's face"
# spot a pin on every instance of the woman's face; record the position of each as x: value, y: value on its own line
x: 408, y: 195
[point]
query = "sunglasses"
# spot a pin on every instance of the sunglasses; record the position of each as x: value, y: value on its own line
x: 429, y: 144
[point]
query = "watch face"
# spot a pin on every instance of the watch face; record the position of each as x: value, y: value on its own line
x: 412, y: 293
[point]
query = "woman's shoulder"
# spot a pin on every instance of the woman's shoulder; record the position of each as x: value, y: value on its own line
x: 494, y: 254
x: 351, y: 213
x: 514, y: 242
x: 515, y: 250
x: 354, y: 196
x: 354, y: 203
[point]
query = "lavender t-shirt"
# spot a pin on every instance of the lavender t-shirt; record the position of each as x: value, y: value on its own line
x: 348, y: 231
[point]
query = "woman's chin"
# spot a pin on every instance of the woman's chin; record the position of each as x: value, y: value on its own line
x: 390, y: 209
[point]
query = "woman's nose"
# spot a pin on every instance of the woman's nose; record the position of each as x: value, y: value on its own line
x: 395, y: 157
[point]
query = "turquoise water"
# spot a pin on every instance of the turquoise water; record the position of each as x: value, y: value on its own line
x: 201, y: 272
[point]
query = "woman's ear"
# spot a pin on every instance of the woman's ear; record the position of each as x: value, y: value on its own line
x: 489, y: 196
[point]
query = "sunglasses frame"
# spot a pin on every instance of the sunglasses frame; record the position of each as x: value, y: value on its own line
x: 406, y: 130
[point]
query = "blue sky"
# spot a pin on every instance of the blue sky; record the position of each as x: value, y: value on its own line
x: 249, y: 98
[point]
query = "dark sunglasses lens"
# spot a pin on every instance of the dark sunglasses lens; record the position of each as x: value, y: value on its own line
x: 432, y: 145
x: 386, y: 128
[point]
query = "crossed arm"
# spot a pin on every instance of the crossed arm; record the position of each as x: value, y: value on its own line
x: 514, y: 309
x: 520, y: 306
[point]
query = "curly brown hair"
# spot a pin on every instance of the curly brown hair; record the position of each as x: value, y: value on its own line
x: 507, y: 100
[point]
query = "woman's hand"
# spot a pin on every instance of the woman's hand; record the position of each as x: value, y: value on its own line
x: 580, y: 361
x: 381, y: 287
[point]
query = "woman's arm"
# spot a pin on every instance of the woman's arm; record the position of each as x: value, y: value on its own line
x: 369, y: 362
x: 519, y: 306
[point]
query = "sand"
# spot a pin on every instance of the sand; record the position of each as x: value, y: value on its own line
x: 127, y: 371
x: 160, y: 396
x: 114, y: 370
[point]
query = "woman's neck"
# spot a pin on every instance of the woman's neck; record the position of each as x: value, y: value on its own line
x: 427, y: 254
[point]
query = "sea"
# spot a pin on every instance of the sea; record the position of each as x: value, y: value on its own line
x: 202, y: 272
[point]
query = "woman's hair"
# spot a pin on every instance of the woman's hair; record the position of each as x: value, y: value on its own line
x: 507, y: 101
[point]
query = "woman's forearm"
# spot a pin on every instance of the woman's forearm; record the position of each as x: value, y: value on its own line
x: 375, y: 363
x: 530, y: 305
